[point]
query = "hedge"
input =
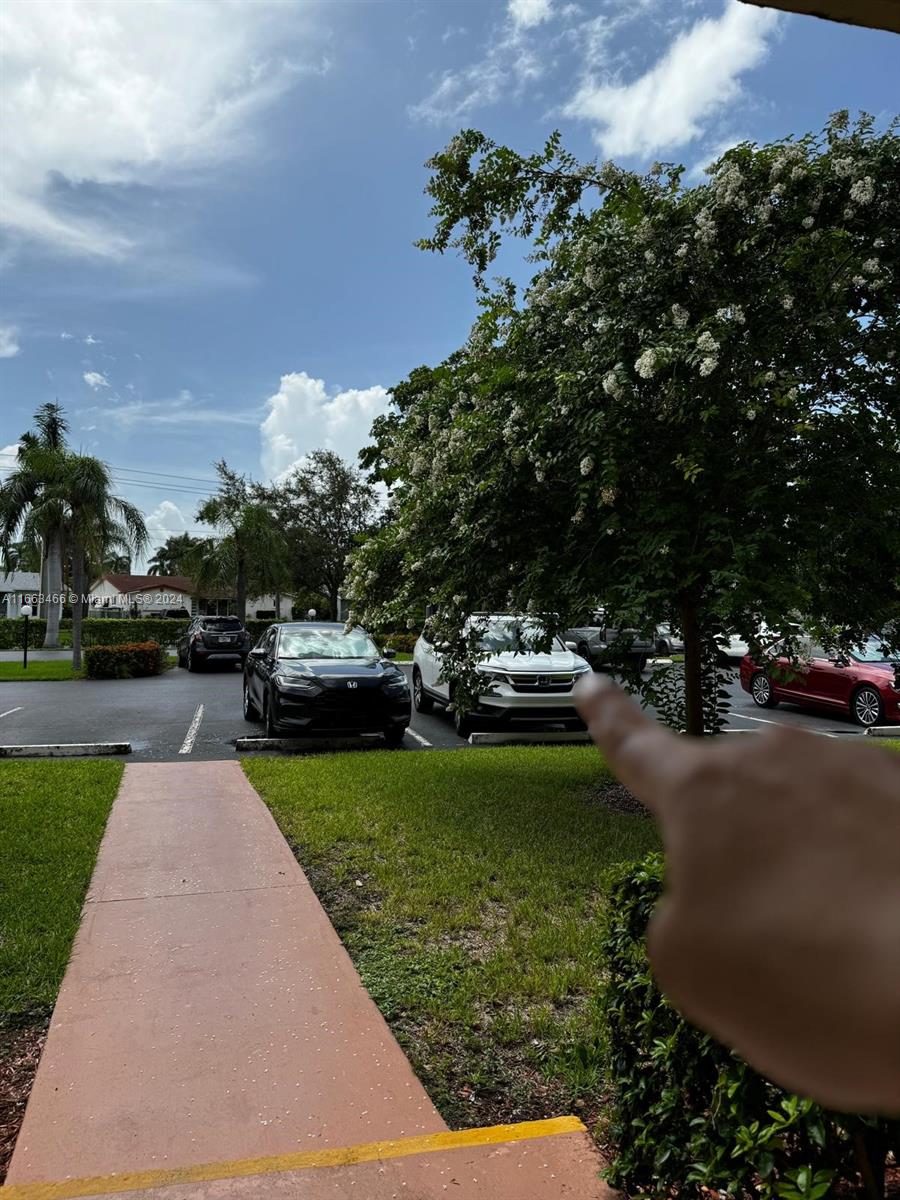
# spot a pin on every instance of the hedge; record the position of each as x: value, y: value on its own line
x: 109, y: 631
x: 128, y: 660
x: 685, y: 1115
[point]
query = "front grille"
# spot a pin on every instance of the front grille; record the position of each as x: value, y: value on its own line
x: 552, y: 682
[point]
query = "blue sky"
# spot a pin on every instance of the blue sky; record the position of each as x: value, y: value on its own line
x: 209, y: 205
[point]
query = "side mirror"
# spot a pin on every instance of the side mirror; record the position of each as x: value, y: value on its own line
x: 258, y: 652
x: 573, y: 646
x: 389, y: 653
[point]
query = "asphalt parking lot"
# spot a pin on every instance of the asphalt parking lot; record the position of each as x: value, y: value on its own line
x: 179, y: 714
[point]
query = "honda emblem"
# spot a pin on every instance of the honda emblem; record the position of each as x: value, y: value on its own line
x: 543, y: 680
x: 352, y: 683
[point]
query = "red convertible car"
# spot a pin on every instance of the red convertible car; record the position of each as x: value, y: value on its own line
x: 863, y: 682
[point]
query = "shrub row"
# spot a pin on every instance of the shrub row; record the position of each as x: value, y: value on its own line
x: 127, y: 660
x: 110, y: 631
x: 403, y: 643
x: 686, y: 1115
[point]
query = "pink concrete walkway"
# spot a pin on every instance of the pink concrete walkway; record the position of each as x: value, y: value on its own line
x: 211, y: 1013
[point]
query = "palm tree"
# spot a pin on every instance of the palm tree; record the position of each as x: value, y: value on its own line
x: 64, y: 499
x: 98, y: 523
x: 173, y: 556
x: 250, y: 551
x: 116, y: 564
x: 32, y: 502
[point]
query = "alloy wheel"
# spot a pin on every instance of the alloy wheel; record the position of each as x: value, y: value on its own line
x: 761, y: 690
x: 867, y: 707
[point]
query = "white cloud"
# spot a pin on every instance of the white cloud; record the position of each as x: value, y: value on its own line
x: 90, y: 340
x: 95, y: 380
x: 9, y: 341
x: 303, y: 417
x: 527, y: 13
x: 109, y: 95
x: 698, y: 76
x: 66, y: 337
x: 133, y: 414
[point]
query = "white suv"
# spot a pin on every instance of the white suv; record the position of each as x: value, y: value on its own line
x: 520, y: 684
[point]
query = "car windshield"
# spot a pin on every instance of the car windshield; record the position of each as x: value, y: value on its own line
x: 222, y: 624
x: 501, y: 635
x: 873, y: 650
x: 326, y: 643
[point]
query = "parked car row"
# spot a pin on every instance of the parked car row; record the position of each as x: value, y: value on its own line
x: 321, y: 677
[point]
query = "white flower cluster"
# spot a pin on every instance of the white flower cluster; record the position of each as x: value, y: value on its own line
x: 706, y: 343
x: 787, y: 303
x: 708, y: 365
x: 592, y: 278
x: 608, y: 496
x: 863, y: 191
x: 679, y: 316
x: 612, y: 385
x: 650, y: 257
x: 586, y: 465
x: 843, y: 167
x: 646, y: 364
x: 727, y: 185
x: 871, y: 266
x: 808, y: 222
x: 706, y: 227
x: 733, y: 312
x: 682, y: 250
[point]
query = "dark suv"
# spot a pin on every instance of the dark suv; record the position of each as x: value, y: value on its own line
x: 212, y: 638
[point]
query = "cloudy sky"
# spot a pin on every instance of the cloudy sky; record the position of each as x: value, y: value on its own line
x: 209, y: 206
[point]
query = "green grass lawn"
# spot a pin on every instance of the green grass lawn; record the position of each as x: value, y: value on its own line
x: 37, y: 670
x: 41, y: 670
x: 52, y: 816
x: 468, y: 887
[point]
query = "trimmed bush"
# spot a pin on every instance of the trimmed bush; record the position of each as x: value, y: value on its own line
x: 12, y: 630
x: 686, y: 1116
x: 126, y: 661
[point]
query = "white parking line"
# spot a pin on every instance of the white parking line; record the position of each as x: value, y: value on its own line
x: 188, y: 744
x: 10, y: 711
x: 766, y: 721
x: 422, y: 741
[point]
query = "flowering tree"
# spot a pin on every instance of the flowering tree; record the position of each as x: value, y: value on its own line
x: 691, y: 415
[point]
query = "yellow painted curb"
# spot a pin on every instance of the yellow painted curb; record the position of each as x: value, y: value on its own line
x: 102, y: 1185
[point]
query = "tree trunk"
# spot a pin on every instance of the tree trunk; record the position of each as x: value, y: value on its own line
x: 41, y: 606
x: 54, y: 588
x: 241, y: 588
x: 693, y: 669
x: 278, y: 606
x: 78, y: 606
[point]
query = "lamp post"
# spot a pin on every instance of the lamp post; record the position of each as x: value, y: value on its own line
x: 25, y: 610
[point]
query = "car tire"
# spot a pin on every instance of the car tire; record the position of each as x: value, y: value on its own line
x: 181, y: 661
x: 762, y: 692
x: 272, y: 730
x: 642, y: 664
x: 394, y: 736
x: 584, y: 651
x: 193, y: 663
x: 251, y: 713
x: 462, y: 723
x: 866, y: 707
x: 422, y: 701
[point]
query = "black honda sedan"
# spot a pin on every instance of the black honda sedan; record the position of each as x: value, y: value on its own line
x: 318, y: 677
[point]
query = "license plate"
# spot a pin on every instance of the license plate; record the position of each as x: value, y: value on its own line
x: 227, y: 641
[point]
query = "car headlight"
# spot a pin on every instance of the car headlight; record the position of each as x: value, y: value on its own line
x: 296, y: 684
x: 582, y: 670
x: 396, y: 685
x: 493, y: 676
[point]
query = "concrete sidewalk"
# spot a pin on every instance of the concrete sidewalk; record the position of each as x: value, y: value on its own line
x: 210, y: 1014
